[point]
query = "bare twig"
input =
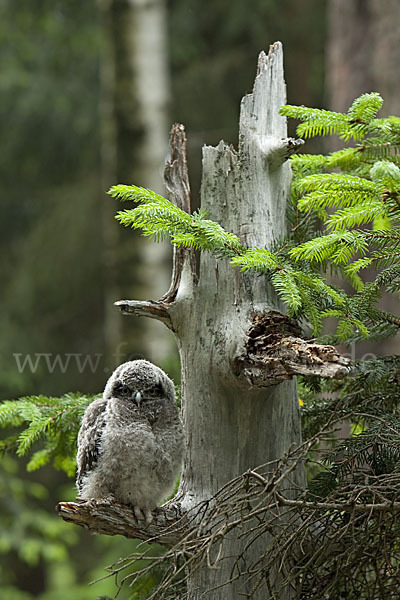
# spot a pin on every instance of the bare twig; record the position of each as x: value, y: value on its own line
x: 311, y: 547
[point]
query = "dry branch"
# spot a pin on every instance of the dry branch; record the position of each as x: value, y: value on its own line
x: 313, y: 545
x: 146, y: 308
x: 176, y: 179
x: 111, y: 518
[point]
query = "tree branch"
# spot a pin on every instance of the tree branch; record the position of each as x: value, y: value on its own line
x: 176, y: 179
x: 147, y: 308
x: 281, y: 150
x: 107, y: 517
x: 340, y: 506
x: 274, y: 352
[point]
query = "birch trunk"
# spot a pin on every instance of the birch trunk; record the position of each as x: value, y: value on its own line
x: 134, y: 115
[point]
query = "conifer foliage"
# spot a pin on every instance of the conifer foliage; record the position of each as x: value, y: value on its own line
x: 355, y: 195
x: 358, y: 205
x: 53, y: 423
x: 358, y: 208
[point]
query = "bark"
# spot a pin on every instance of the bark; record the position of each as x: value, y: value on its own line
x: 274, y: 352
x: 238, y: 350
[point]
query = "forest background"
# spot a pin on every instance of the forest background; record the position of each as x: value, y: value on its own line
x: 69, y: 131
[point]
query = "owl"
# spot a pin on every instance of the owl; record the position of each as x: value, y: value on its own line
x: 130, y: 443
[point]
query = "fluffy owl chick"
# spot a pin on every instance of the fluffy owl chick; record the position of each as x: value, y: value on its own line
x: 130, y: 443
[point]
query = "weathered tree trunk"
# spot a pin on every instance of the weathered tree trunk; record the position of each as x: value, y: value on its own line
x: 238, y: 352
x: 230, y: 425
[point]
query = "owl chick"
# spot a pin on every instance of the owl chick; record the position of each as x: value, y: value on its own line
x: 130, y: 443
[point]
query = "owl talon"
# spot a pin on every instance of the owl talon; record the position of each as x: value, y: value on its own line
x: 110, y: 499
x: 143, y: 514
x: 138, y: 513
x: 148, y: 516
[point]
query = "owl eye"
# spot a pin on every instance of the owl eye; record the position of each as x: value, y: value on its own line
x: 157, y: 389
x: 120, y: 389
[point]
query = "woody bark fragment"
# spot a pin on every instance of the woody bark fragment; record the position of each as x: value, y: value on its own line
x: 275, y: 352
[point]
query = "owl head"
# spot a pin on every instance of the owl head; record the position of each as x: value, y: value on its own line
x: 139, y: 381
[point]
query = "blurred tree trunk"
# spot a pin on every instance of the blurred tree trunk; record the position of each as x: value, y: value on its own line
x: 363, y: 52
x: 363, y: 55
x: 134, y: 113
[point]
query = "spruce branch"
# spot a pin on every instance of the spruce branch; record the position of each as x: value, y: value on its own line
x: 365, y: 108
x: 338, y: 246
x: 365, y: 192
x: 335, y: 189
x: 316, y: 121
x: 354, y: 125
x: 52, y: 422
x: 354, y: 216
x: 158, y: 218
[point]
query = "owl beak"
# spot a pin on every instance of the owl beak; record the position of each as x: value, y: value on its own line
x: 138, y: 398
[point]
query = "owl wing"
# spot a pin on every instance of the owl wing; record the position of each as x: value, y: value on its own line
x: 89, y: 438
